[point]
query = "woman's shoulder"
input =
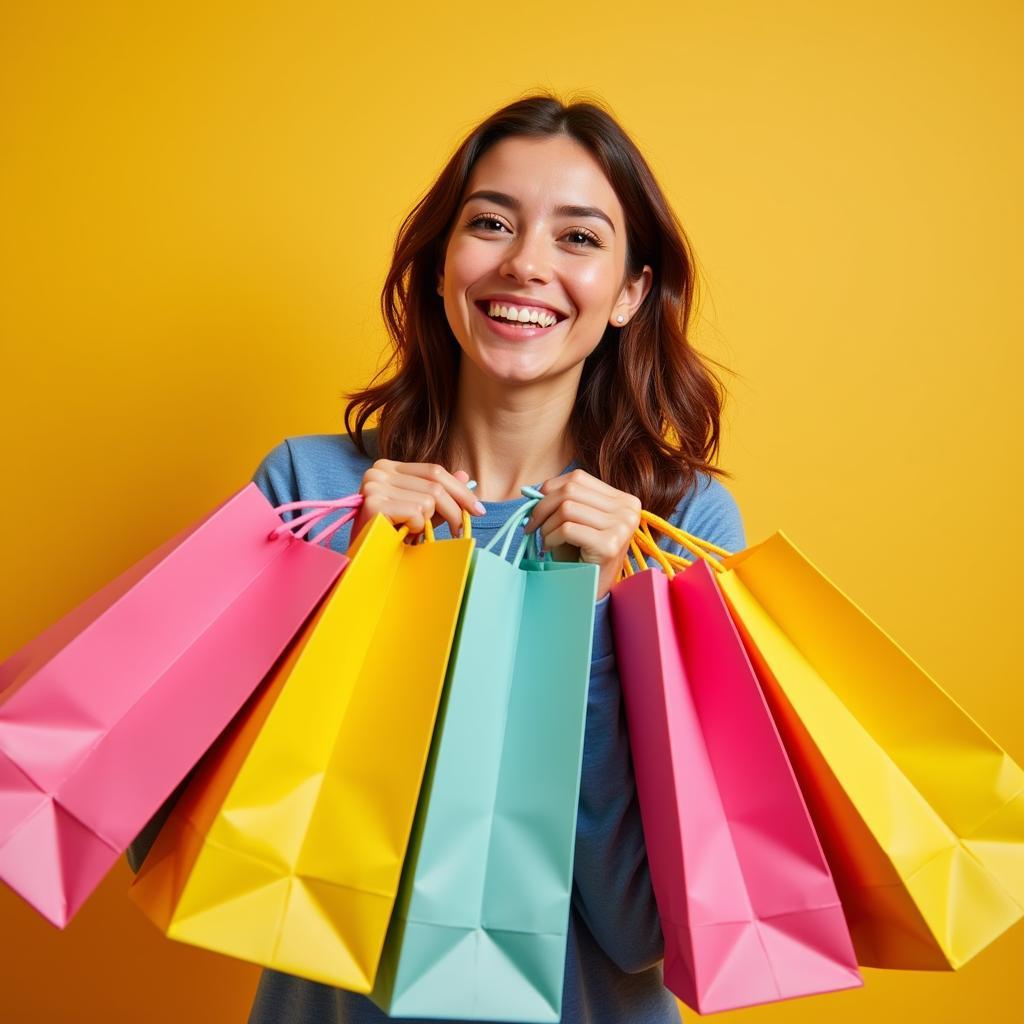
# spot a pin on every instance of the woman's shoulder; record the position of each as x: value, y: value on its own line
x: 708, y: 510
x: 311, y: 466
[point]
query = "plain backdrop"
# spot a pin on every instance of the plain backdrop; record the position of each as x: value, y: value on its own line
x: 197, y: 207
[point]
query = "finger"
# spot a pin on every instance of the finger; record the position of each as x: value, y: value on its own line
x: 443, y: 503
x: 581, y: 478
x: 461, y: 474
x: 575, y: 512
x: 594, y: 545
x: 438, y: 474
x: 408, y: 513
x: 578, y: 491
x: 386, y: 499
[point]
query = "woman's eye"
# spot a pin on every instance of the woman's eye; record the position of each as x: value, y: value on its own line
x: 579, y: 236
x: 588, y: 238
x: 483, y: 220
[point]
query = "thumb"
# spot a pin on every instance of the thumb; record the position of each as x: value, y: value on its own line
x: 461, y: 475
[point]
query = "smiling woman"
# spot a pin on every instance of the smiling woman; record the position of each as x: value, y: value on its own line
x: 568, y: 255
x: 546, y: 206
x: 538, y: 303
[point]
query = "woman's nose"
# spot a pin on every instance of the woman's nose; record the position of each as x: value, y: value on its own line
x: 528, y: 258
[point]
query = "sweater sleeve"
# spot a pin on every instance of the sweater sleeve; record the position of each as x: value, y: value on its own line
x: 275, y: 477
x: 612, y: 884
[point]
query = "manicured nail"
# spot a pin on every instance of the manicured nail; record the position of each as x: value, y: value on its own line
x: 479, y: 509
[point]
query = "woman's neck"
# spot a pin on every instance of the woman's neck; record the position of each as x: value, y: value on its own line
x: 508, y: 437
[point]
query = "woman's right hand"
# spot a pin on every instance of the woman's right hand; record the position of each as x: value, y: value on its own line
x: 410, y: 493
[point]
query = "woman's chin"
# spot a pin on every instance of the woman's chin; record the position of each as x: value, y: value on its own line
x: 514, y: 369
x: 521, y: 376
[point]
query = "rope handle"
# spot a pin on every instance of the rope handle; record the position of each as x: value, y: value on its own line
x: 520, y: 516
x: 467, y: 525
x: 643, y: 543
x: 320, y: 508
x: 530, y: 546
x: 428, y: 528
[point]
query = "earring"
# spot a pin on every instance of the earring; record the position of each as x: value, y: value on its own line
x: 620, y: 318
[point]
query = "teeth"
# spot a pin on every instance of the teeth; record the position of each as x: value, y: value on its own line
x: 523, y: 315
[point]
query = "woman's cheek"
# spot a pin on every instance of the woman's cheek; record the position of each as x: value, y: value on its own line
x: 594, y: 292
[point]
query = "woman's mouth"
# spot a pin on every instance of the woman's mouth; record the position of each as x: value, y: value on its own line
x: 509, y: 329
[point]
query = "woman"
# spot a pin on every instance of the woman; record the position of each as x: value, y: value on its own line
x: 546, y: 216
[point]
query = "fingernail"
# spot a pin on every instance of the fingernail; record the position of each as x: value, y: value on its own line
x: 479, y: 509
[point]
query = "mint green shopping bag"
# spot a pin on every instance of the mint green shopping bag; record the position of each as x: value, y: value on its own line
x: 480, y: 925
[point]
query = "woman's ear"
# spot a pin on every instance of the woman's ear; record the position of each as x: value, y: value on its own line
x: 633, y: 293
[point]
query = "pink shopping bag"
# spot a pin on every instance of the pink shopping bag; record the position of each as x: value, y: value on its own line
x: 107, y: 710
x: 748, y: 908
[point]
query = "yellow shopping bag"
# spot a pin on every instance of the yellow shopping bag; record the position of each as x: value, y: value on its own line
x: 287, y: 848
x: 919, y: 811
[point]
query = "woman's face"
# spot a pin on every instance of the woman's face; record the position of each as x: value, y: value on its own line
x: 517, y: 242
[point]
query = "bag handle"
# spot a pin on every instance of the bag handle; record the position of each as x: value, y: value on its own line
x: 508, y: 528
x: 530, y: 544
x: 643, y: 543
x: 428, y: 528
x: 467, y: 525
x: 320, y: 509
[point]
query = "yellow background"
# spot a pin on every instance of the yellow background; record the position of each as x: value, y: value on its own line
x: 197, y: 207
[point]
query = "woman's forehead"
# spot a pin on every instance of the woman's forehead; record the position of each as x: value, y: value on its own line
x: 542, y: 174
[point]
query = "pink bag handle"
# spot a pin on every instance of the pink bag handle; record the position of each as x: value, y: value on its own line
x: 319, y: 510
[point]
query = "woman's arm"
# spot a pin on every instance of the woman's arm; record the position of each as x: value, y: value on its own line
x: 612, y: 890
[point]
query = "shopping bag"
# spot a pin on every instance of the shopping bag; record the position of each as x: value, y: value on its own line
x: 105, y: 712
x: 748, y: 908
x: 480, y: 927
x: 919, y: 811
x: 286, y: 849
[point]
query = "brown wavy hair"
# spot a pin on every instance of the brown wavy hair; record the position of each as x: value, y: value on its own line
x: 647, y: 410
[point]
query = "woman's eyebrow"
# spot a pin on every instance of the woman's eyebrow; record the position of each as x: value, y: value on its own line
x: 511, y: 203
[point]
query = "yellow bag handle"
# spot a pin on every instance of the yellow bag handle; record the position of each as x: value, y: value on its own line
x: 428, y: 529
x: 643, y: 543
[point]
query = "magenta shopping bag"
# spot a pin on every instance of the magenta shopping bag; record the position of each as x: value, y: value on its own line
x: 748, y: 907
x: 106, y: 711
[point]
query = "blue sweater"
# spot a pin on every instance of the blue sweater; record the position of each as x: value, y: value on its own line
x: 614, y: 951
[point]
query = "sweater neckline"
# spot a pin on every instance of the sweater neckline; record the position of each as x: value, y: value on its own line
x: 499, y: 511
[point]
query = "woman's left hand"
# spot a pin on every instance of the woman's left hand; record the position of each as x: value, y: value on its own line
x: 582, y: 512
